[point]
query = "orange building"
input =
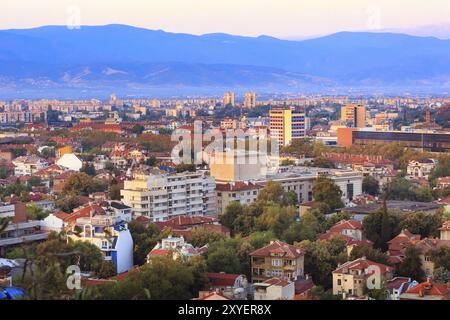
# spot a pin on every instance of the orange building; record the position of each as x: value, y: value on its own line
x: 345, y: 136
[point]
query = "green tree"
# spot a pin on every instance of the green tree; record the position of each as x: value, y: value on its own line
x: 371, y: 185
x: 114, y: 191
x: 137, y: 129
x: 276, y: 219
x: 427, y: 225
x: 376, y: 221
x: 35, y: 212
x: 107, y: 270
x: 82, y: 184
x: 223, y: 260
x: 260, y: 239
x: 370, y: 253
x: 202, y: 236
x: 162, y: 279
x: 441, y: 257
x: 322, y: 258
x: 89, y: 169
x: 326, y: 191
x: 68, y: 203
x: 411, y: 266
x: 232, y: 211
x: 441, y: 275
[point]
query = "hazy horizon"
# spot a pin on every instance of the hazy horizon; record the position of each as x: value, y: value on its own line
x: 285, y: 19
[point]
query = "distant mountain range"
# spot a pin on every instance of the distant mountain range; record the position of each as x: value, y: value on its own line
x: 119, y: 57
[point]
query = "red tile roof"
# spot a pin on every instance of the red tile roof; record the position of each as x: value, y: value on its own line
x: 362, y: 264
x: 277, y: 282
x: 278, y: 247
x: 237, y: 186
x: 429, y: 288
x: 185, y: 221
x: 222, y: 279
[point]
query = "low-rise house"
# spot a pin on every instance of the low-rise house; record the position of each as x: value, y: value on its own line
x: 110, y: 234
x: 443, y: 182
x: 184, y: 225
x: 233, y: 286
x: 28, y: 165
x: 426, y: 248
x: 351, y: 278
x: 349, y: 230
x: 303, y: 288
x: 277, y: 259
x: 398, y: 285
x: 398, y: 245
x: 445, y: 230
x: 420, y: 168
x: 70, y: 161
x: 360, y: 212
x: 206, y: 295
x: 427, y: 291
x: 274, y: 289
x: 60, y: 180
x: 175, y: 247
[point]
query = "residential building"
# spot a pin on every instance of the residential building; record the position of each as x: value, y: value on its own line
x: 61, y: 151
x: 111, y: 235
x: 349, y: 230
x: 175, y: 247
x: 228, y: 99
x: 426, y: 247
x: 398, y: 245
x: 70, y: 161
x: 287, y: 124
x: 164, y: 196
x: 233, y: 286
x: 354, y: 115
x: 28, y: 165
x: 351, y: 278
x: 277, y: 259
x: 427, y: 291
x: 20, y: 229
x: 445, y: 230
x: 297, y: 179
x: 185, y: 225
x: 250, y: 100
x: 420, y: 168
x: 397, y: 286
x: 243, y: 192
x: 443, y: 182
x: 274, y: 289
x: 359, y: 212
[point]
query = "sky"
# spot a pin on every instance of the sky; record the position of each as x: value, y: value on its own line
x: 279, y: 18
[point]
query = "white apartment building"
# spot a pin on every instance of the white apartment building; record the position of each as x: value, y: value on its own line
x: 28, y: 165
x: 162, y: 197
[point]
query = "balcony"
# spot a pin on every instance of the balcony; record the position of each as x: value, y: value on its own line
x: 22, y: 239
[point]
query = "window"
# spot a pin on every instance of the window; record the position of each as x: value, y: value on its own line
x: 276, y: 262
x: 339, y: 282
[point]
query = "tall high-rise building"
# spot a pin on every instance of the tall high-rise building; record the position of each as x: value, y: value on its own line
x: 228, y: 99
x: 287, y: 124
x: 250, y: 100
x: 354, y: 115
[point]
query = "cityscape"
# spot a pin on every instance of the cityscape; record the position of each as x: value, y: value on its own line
x: 125, y: 177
